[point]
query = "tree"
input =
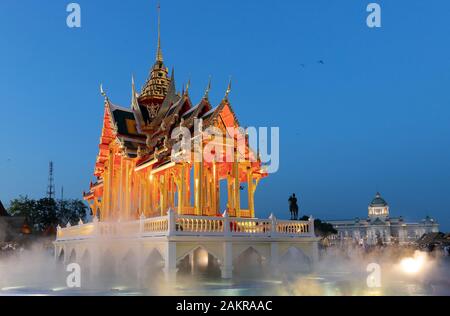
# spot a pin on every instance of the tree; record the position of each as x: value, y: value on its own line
x: 71, y: 211
x: 322, y: 229
x: 23, y: 206
x: 47, y: 213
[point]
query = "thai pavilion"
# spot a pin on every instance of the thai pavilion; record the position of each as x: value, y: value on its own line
x: 146, y: 202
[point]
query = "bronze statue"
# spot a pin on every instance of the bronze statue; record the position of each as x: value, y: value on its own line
x: 293, y: 207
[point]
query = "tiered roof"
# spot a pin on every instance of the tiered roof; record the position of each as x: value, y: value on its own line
x: 144, y: 129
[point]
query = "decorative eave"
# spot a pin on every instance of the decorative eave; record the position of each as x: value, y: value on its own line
x: 108, y: 135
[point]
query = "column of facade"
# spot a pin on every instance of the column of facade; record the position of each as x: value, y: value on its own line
x: 136, y: 191
x: 161, y: 191
x: 129, y: 190
x: 236, y: 185
x: 115, y: 190
x: 227, y: 265
x: 187, y: 184
x: 141, y: 193
x: 106, y: 213
x: 170, y: 261
x: 274, y: 258
x: 104, y: 209
x: 148, y: 194
x: 251, y: 192
x: 151, y: 194
x: 145, y: 193
x: 230, y: 191
x: 126, y: 189
x: 95, y: 206
x: 198, y: 187
x: 155, y: 195
x: 206, y: 191
x: 214, y: 194
x: 171, y: 191
x: 112, y: 195
x: 120, y: 192
x: 314, y: 253
x: 181, y: 185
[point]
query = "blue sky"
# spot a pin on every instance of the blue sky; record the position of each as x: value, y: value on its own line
x: 374, y: 117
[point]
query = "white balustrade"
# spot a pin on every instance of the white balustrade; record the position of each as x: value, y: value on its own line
x: 292, y: 227
x: 198, y: 224
x: 156, y: 225
x: 74, y: 232
x: 182, y: 225
x: 240, y: 226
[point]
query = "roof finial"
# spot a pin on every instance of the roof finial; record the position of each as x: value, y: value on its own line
x: 159, y: 56
x: 134, y: 103
x: 208, y: 88
x: 228, y: 90
x: 102, y: 92
x: 188, y: 85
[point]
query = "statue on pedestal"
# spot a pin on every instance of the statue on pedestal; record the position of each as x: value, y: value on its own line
x: 293, y: 207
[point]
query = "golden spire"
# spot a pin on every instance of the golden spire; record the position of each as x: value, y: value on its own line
x: 228, y: 90
x: 159, y: 56
x: 134, y: 102
x: 188, y: 85
x: 208, y: 88
x: 158, y: 82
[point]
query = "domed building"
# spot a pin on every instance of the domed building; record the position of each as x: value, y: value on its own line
x: 378, y: 207
x: 380, y: 227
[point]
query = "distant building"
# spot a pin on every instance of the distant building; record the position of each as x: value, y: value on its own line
x: 12, y: 228
x: 380, y: 227
x: 3, y: 211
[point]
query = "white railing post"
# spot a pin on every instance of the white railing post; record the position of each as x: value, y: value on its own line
x: 226, y: 224
x: 311, y: 226
x: 273, y: 225
x: 171, y: 222
x: 141, y: 224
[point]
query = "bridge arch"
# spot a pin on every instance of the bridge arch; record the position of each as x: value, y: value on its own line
x: 60, y: 255
x: 73, y: 256
x: 127, y: 268
x: 294, y: 259
x: 249, y: 263
x: 152, y: 267
x: 199, y: 260
x: 107, y: 267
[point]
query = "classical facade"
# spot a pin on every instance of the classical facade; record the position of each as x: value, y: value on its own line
x: 146, y: 200
x: 379, y: 226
